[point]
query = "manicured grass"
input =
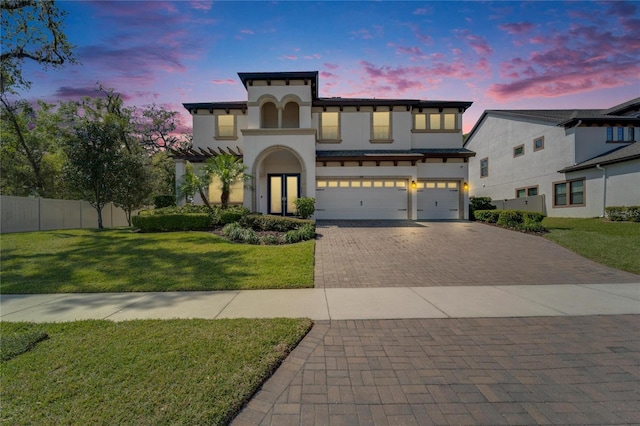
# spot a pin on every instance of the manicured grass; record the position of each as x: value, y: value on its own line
x: 142, y: 372
x: 120, y: 260
x: 615, y: 244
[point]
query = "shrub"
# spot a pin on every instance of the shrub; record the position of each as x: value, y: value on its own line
x: 489, y: 216
x: 235, y: 232
x: 305, y: 206
x: 272, y: 223
x: 160, y: 201
x: 622, y: 213
x: 510, y: 218
x: 271, y: 240
x: 172, y: 222
x: 230, y: 215
x: 305, y: 232
x: 479, y: 203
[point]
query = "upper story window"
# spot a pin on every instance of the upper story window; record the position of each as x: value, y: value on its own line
x: 329, y: 126
x: 538, y: 143
x: 291, y: 116
x: 620, y: 133
x: 269, y: 116
x: 484, y: 167
x: 435, y: 122
x: 518, y: 151
x: 381, y: 126
x: 420, y: 121
x: 226, y: 127
x: 631, y: 134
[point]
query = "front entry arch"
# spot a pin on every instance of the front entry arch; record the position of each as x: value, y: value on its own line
x: 279, y: 178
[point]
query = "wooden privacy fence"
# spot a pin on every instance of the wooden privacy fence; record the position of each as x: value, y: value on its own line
x: 22, y: 214
x: 535, y: 203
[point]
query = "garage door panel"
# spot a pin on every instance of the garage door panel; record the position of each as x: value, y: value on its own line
x: 361, y: 199
x: 438, y: 200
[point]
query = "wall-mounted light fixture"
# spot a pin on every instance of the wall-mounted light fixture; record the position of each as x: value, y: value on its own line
x: 414, y: 184
x: 466, y: 186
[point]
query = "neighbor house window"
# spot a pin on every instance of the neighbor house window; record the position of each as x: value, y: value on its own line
x: 526, y: 192
x: 518, y: 151
x: 226, y: 126
x: 620, y: 133
x: 631, y: 134
x: 484, y: 167
x: 330, y: 126
x: 420, y: 122
x: 570, y: 193
x: 609, y: 133
x: 538, y: 143
x: 381, y: 126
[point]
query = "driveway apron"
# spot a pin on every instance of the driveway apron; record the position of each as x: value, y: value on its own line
x: 357, y: 254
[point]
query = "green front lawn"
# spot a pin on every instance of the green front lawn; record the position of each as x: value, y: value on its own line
x: 615, y: 244
x: 141, y: 372
x: 120, y: 260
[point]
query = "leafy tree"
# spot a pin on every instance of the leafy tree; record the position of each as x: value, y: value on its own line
x: 229, y: 170
x: 192, y: 183
x: 30, y: 156
x: 95, y: 162
x: 31, y: 29
x: 163, y: 170
x: 134, y: 189
x: 156, y: 129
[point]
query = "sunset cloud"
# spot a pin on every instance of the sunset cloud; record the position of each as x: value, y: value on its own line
x: 517, y: 27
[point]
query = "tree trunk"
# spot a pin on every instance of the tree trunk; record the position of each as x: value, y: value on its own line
x: 224, y: 199
x: 204, y: 199
x: 99, y: 210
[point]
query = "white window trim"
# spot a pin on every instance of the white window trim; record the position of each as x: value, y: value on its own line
x: 386, y: 140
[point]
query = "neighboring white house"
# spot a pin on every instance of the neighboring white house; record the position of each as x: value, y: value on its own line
x: 580, y: 160
x: 360, y: 158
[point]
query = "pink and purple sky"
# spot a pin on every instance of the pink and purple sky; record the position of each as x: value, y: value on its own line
x: 500, y: 55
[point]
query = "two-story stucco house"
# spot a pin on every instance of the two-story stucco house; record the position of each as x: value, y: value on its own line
x: 580, y: 160
x: 360, y: 158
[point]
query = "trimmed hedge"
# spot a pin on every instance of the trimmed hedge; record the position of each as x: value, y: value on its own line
x: 517, y: 219
x: 623, y: 213
x: 489, y: 216
x: 172, y: 222
x: 186, y: 209
x: 260, y: 222
x: 230, y: 215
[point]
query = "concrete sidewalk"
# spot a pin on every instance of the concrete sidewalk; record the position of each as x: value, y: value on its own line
x: 333, y: 303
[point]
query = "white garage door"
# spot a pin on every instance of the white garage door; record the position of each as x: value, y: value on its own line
x: 438, y: 199
x: 361, y: 198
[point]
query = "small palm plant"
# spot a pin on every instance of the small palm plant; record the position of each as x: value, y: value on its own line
x: 192, y: 183
x: 229, y: 170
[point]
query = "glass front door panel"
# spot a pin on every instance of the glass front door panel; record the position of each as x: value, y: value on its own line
x: 292, y: 193
x: 275, y: 194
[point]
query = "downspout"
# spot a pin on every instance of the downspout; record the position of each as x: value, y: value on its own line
x: 604, y: 188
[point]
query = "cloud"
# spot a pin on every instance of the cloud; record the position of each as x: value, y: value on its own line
x: 582, y: 58
x: 75, y: 93
x: 477, y: 43
x: 314, y: 56
x: 331, y: 66
x: 290, y: 57
x: 201, y: 5
x: 376, y: 31
x: 225, y: 81
x: 248, y: 32
x: 421, y: 11
x: 517, y: 27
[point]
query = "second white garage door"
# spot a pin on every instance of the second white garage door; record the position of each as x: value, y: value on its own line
x: 438, y: 200
x: 361, y: 198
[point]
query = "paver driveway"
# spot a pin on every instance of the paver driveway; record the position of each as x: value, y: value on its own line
x: 405, y: 253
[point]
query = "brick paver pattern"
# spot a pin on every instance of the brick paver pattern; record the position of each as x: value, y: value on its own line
x: 552, y: 370
x: 416, y: 254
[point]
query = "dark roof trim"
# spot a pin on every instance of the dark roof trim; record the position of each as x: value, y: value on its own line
x: 612, y: 120
x: 413, y: 155
x: 409, y: 103
x: 191, y: 107
x: 201, y: 155
x: 618, y: 155
x: 311, y: 77
x: 624, y: 108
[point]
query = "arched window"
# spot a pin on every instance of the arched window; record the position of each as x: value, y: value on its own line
x: 291, y: 116
x: 269, y: 116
